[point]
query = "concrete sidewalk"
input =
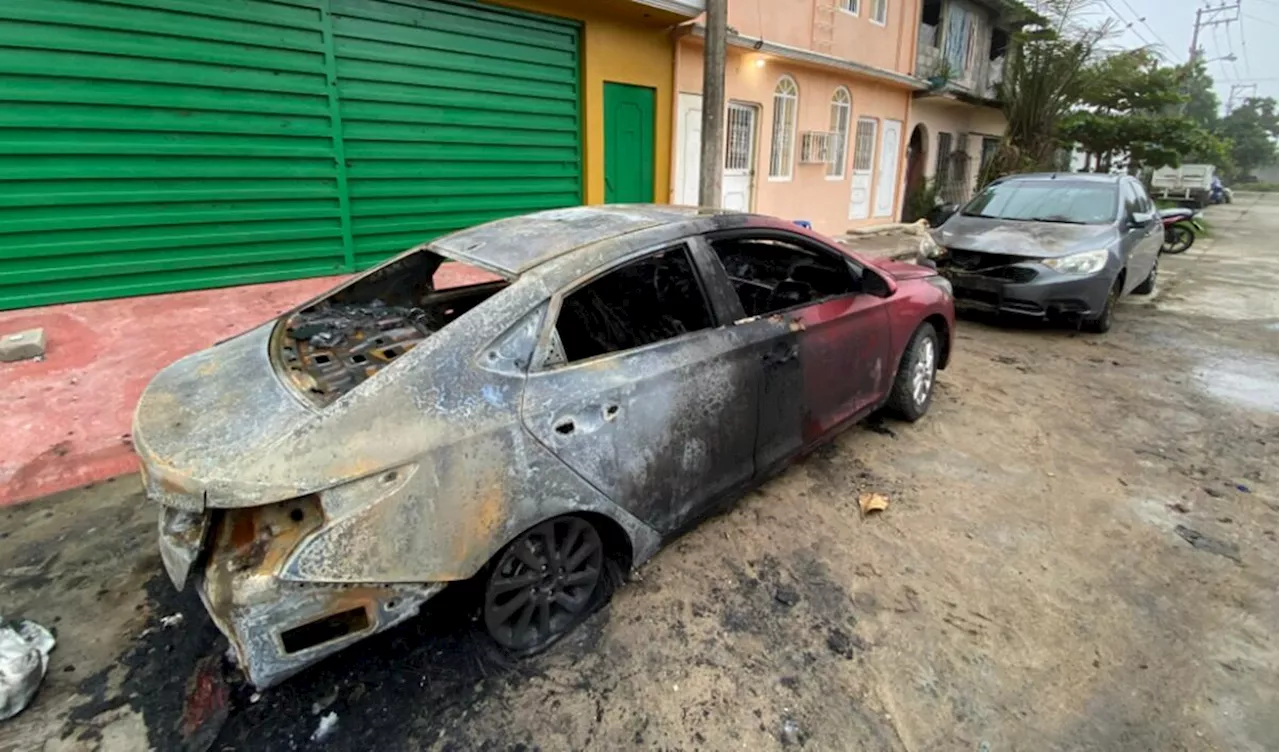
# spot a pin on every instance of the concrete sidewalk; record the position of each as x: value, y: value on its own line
x: 67, y: 418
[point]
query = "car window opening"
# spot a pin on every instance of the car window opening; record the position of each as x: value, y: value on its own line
x: 335, y: 344
x: 649, y: 300
x: 772, y: 275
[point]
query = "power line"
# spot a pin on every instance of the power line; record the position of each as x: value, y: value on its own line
x: 1244, y: 47
x: 1261, y: 20
x: 1128, y: 26
x: 1143, y: 20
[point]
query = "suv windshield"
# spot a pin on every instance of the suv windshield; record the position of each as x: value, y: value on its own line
x: 1063, y: 201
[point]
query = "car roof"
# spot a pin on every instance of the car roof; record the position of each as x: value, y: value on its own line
x: 514, y: 245
x: 1074, y: 177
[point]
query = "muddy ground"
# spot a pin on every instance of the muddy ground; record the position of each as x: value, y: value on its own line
x: 1079, y: 554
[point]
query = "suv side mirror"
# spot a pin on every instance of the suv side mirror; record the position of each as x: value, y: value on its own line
x: 1138, y: 220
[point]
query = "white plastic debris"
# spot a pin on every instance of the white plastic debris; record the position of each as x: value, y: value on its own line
x: 24, y: 657
x: 171, y: 621
x: 327, y: 723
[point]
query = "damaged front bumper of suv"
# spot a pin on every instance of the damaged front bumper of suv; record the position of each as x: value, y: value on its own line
x: 277, y: 626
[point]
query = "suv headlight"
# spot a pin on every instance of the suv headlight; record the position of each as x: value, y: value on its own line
x: 1078, y: 263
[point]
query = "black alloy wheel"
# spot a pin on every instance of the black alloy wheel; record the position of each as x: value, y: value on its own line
x: 544, y: 583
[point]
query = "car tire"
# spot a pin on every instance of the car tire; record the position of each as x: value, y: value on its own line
x: 1148, y: 285
x: 912, y: 391
x: 1101, y: 323
x: 1181, y: 238
x: 544, y: 583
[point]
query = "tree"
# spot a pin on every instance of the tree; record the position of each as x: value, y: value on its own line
x: 1128, y: 114
x: 1251, y: 131
x: 1042, y: 82
x: 1202, y: 101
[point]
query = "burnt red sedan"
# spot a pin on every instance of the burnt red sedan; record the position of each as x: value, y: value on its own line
x: 600, y: 379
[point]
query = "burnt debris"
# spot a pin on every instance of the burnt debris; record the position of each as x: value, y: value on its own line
x: 333, y: 347
x: 330, y: 347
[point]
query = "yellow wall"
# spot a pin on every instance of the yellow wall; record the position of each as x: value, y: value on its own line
x: 625, y: 43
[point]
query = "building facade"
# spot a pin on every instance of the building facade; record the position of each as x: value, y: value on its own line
x: 163, y: 145
x: 957, y: 122
x: 819, y: 97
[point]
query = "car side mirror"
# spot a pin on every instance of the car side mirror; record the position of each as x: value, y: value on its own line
x: 941, y: 213
x: 874, y: 284
x: 1138, y: 220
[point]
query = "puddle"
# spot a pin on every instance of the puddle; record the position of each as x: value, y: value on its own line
x: 1248, y: 382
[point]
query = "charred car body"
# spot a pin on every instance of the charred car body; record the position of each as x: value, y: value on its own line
x: 605, y: 378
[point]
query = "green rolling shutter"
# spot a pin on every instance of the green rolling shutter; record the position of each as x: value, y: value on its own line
x: 158, y: 145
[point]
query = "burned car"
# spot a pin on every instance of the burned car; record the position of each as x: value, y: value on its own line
x: 518, y: 405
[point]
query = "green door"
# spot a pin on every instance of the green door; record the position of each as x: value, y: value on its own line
x: 628, y: 144
x: 149, y: 146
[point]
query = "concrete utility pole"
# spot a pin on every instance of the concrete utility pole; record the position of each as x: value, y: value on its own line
x: 1206, y: 17
x: 711, y: 170
x: 1247, y: 89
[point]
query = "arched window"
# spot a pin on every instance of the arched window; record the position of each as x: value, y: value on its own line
x: 840, y: 129
x: 782, y: 154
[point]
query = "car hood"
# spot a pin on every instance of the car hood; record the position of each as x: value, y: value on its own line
x: 1014, y: 238
x: 902, y: 270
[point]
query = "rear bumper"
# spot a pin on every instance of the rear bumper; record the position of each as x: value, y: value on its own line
x: 1049, y: 295
x: 276, y: 627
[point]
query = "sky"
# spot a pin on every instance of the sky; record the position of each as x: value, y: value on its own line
x: 1254, y: 38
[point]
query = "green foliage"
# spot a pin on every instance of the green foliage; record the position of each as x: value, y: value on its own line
x: 1250, y: 131
x: 1202, y: 102
x: 1257, y: 187
x: 921, y: 198
x: 1129, y: 110
x: 1042, y: 82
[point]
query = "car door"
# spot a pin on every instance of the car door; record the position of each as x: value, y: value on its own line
x: 1155, y: 228
x: 639, y: 389
x: 1136, y: 234
x: 822, y: 339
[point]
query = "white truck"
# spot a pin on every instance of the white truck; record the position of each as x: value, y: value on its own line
x: 1189, y: 184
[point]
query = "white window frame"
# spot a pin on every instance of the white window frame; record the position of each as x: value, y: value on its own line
x: 782, y: 139
x: 852, y: 7
x: 880, y: 12
x: 841, y: 118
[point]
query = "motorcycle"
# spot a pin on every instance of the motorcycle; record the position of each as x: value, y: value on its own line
x: 1180, y: 229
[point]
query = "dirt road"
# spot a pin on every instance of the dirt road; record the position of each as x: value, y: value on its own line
x: 1079, y: 553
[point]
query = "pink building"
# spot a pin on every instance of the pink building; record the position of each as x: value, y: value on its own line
x: 957, y: 123
x: 819, y: 100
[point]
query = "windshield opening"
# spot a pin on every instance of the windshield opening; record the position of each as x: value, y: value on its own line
x: 1059, y: 201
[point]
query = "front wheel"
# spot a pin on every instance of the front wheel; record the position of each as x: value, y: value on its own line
x: 544, y: 584
x: 1179, y: 238
x: 1102, y: 322
x: 913, y: 386
x: 1149, y: 284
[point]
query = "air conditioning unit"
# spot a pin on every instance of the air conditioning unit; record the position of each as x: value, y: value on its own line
x: 816, y: 147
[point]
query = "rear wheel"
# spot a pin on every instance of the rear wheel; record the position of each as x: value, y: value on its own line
x: 1149, y: 284
x: 1180, y: 239
x: 913, y: 386
x: 544, y: 584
